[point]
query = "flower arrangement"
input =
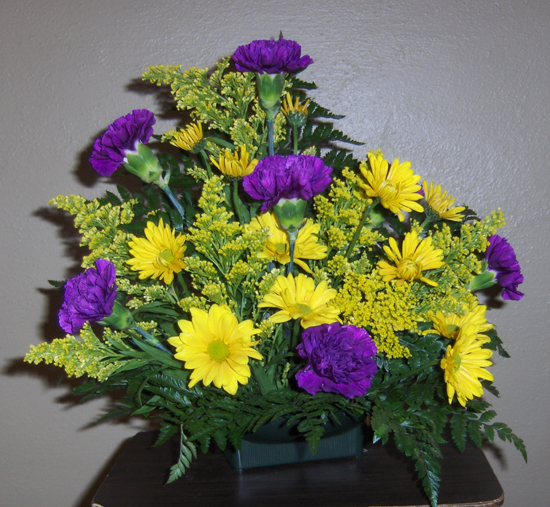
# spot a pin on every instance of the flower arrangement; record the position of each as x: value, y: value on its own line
x: 264, y: 272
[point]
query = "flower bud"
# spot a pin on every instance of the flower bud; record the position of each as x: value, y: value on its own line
x: 144, y: 164
x: 290, y: 213
x: 120, y: 319
x: 270, y: 88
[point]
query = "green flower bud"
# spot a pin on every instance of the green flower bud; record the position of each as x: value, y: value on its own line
x: 120, y: 319
x: 290, y: 214
x: 270, y: 88
x: 482, y: 281
x: 144, y: 164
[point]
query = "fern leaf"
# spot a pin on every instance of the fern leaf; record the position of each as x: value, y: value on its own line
x: 188, y: 451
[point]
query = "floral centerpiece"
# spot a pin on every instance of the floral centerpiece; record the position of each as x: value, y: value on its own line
x: 264, y: 272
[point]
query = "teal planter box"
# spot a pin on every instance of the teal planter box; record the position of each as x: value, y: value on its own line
x: 276, y: 444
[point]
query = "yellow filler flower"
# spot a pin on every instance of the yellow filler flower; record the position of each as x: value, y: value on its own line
x: 417, y: 256
x: 298, y: 298
x: 159, y: 255
x: 395, y: 185
x: 216, y: 347
x: 441, y: 203
x: 235, y: 165
x: 464, y: 364
x: 190, y: 138
x: 277, y: 246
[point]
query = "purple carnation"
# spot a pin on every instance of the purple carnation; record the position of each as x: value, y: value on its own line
x: 292, y: 177
x: 123, y: 135
x: 502, y: 261
x: 340, y: 360
x: 89, y: 297
x: 271, y: 56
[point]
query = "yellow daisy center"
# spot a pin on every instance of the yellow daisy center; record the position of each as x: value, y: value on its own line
x: 165, y: 258
x: 218, y: 351
x: 388, y: 191
x: 409, y: 270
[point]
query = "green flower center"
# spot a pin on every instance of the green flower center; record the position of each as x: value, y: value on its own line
x: 218, y: 351
x: 165, y: 258
x: 409, y: 270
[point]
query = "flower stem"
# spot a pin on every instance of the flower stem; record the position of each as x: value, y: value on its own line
x: 271, y: 149
x: 151, y: 340
x: 236, y: 201
x: 360, y: 227
x: 295, y: 333
x: 179, y: 208
x: 292, y: 237
x: 221, y: 142
x: 295, y: 136
x: 206, y: 163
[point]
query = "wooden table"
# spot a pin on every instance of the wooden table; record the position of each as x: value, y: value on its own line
x: 380, y: 477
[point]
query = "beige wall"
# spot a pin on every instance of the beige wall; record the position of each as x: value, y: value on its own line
x: 460, y: 88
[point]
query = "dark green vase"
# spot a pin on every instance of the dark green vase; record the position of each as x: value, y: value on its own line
x: 275, y: 443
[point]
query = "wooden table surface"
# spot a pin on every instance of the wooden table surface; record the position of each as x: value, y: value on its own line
x: 380, y: 477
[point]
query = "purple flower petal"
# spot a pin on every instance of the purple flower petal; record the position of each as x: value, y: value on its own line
x: 340, y: 360
x: 271, y: 56
x: 89, y: 297
x: 501, y: 259
x: 109, y: 151
x: 292, y: 177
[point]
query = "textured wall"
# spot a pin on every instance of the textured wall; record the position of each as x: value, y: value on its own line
x: 459, y: 88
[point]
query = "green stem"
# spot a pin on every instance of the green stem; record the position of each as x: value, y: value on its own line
x: 295, y: 136
x: 292, y: 237
x: 360, y: 227
x: 183, y: 284
x: 151, y: 340
x: 271, y: 149
x: 295, y: 333
x: 236, y: 201
x: 179, y: 208
x: 425, y: 223
x: 221, y: 142
x: 206, y: 163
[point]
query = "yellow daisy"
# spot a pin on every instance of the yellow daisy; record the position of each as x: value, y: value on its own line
x: 395, y: 185
x: 235, y: 165
x: 441, y: 203
x: 159, y: 255
x: 277, y: 246
x: 449, y: 326
x: 417, y: 256
x: 298, y: 298
x: 464, y: 364
x: 190, y: 138
x: 216, y: 347
x: 295, y: 113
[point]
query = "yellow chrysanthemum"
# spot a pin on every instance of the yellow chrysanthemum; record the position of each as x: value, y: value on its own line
x: 235, y: 165
x: 464, y: 364
x: 417, y: 256
x: 449, y: 326
x: 160, y: 254
x: 395, y: 185
x: 441, y: 203
x: 298, y: 298
x: 288, y: 107
x: 190, y: 138
x: 216, y: 347
x: 277, y: 246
